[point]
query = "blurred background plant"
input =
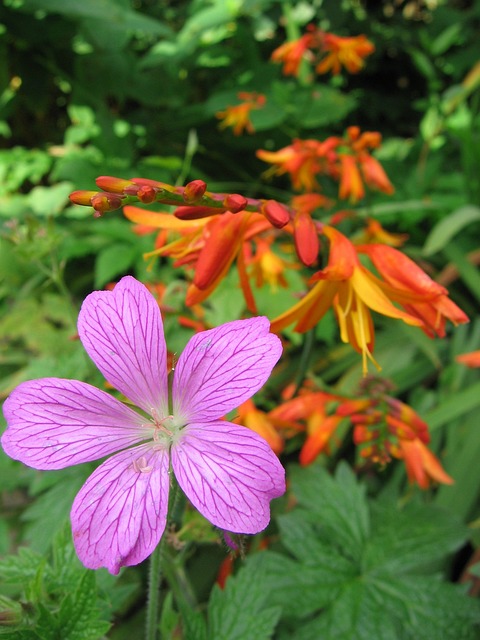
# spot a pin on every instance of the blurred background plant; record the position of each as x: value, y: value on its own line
x: 182, y: 91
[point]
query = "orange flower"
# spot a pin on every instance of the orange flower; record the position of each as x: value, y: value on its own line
x: 422, y: 466
x: 313, y: 408
x: 351, y: 185
x: 411, y: 287
x: 471, y: 359
x: 292, y: 53
x: 374, y: 174
x: 260, y: 422
x: 347, y: 52
x: 375, y: 233
x: 209, y: 245
x: 268, y: 267
x: 305, y: 230
x: 301, y: 160
x: 238, y: 116
x: 352, y: 290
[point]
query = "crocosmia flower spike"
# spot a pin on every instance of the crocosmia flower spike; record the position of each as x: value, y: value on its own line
x: 228, y: 472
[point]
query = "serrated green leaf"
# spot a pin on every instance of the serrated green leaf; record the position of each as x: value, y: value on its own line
x: 78, y: 617
x: 353, y: 615
x: 411, y: 539
x: 448, y: 227
x: 240, y: 610
x: 302, y: 589
x: 21, y: 567
x: 339, y: 503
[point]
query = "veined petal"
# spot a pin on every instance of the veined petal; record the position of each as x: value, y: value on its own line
x: 229, y: 474
x: 54, y: 423
x: 222, y: 367
x: 119, y: 515
x: 122, y: 332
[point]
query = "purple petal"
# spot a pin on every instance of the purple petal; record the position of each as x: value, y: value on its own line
x: 119, y: 515
x: 54, y: 423
x: 122, y: 332
x: 229, y: 474
x: 221, y: 368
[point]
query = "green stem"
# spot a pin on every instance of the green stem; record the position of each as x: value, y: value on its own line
x: 304, y: 359
x: 155, y: 572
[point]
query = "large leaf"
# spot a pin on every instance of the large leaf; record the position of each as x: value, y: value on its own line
x: 363, y: 569
x: 448, y: 227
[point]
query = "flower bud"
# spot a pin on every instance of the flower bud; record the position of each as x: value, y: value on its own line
x: 234, y: 202
x: 194, y: 213
x: 113, y: 185
x: 277, y: 214
x: 82, y: 197
x: 103, y: 202
x: 194, y: 191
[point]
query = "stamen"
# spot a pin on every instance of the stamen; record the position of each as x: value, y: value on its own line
x: 140, y: 465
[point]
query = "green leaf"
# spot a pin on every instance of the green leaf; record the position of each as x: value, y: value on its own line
x: 446, y: 39
x: 78, y: 615
x: 240, y: 611
x: 453, y: 407
x: 448, y: 227
x: 99, y: 11
x: 339, y: 504
x: 112, y: 262
x: 412, y: 538
x: 333, y: 592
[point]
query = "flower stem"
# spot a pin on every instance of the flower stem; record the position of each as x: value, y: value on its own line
x: 308, y: 343
x: 155, y: 572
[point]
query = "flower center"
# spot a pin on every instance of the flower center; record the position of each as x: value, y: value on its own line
x: 166, y: 428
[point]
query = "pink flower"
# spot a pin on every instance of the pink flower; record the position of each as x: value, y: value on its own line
x: 228, y: 472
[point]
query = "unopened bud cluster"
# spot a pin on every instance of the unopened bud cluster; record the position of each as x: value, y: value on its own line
x: 193, y: 201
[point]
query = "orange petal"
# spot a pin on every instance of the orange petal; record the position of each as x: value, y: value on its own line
x: 221, y: 246
x: 160, y: 220
x: 401, y: 272
x: 342, y: 258
x: 471, y: 359
x: 317, y: 441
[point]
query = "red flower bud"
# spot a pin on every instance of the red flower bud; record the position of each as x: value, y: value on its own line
x: 194, y: 213
x: 234, y: 202
x: 194, y: 190
x: 103, y: 202
x: 276, y: 213
x: 305, y: 233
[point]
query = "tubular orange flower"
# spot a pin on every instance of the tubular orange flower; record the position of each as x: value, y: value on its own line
x: 238, y: 116
x: 267, y: 266
x: 471, y: 359
x: 375, y: 233
x: 421, y: 464
x: 344, y: 52
x: 374, y: 174
x: 313, y: 408
x: 301, y: 160
x: 209, y: 245
x: 292, y: 53
x: 351, y: 185
x: 352, y: 290
x: 411, y: 287
x: 260, y: 422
